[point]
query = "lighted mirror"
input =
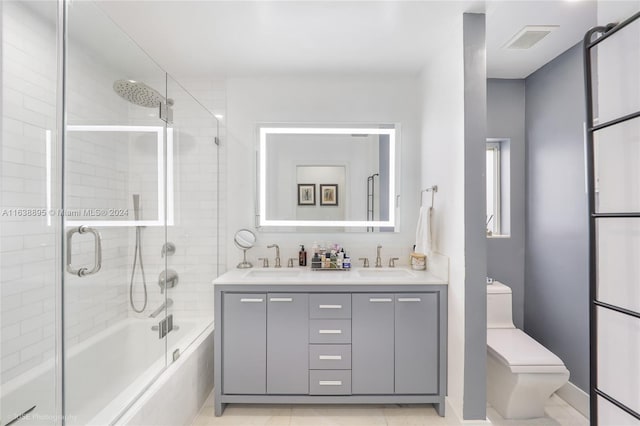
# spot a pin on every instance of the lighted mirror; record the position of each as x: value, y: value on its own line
x: 327, y: 177
x: 244, y: 240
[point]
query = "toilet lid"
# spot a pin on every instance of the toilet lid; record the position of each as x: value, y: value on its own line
x: 516, y: 348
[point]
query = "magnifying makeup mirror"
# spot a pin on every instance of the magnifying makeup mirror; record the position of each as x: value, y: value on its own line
x: 244, y: 240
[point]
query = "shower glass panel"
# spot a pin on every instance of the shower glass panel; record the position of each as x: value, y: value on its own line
x: 616, y: 70
x: 192, y: 223
x: 114, y: 189
x: 29, y: 258
x: 618, y: 370
x: 617, y: 150
x: 617, y: 253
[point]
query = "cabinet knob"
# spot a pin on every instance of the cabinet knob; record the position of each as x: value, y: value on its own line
x: 409, y: 299
x: 330, y: 331
x: 281, y: 299
x: 249, y: 300
x: 330, y: 382
x: 380, y: 299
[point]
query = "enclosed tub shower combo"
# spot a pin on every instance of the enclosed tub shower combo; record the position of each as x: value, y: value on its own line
x: 109, y: 225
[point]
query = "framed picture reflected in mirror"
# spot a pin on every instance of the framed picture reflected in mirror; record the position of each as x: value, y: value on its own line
x: 328, y: 195
x: 306, y: 194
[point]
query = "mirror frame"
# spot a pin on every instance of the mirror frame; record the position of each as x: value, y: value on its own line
x: 265, y: 130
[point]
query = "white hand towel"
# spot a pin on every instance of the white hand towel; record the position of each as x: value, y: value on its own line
x: 423, y: 231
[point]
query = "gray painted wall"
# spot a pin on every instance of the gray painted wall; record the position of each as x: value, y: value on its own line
x: 556, y: 309
x: 505, y: 119
x: 475, y: 245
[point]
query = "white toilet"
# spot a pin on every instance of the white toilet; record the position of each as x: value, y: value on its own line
x: 521, y: 373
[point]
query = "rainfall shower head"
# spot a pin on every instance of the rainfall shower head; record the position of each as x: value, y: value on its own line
x: 139, y: 93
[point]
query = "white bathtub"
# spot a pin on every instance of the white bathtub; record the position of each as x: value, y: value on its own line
x: 104, y: 375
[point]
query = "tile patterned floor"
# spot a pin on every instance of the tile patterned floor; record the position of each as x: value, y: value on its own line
x: 558, y: 413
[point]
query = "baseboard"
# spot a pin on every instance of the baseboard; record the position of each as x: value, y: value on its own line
x: 575, y: 397
x: 454, y: 418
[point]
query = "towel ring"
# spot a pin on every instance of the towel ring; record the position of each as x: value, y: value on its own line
x: 433, y: 191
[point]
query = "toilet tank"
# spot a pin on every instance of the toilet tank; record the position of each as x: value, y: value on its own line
x: 499, y: 313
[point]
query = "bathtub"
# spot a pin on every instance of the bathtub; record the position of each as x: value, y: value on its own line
x: 104, y: 375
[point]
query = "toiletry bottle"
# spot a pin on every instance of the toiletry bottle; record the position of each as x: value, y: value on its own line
x: 315, y: 261
x: 302, y: 257
x: 346, y: 263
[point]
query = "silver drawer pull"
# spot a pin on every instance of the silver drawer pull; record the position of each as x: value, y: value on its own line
x: 281, y: 299
x: 247, y: 300
x: 330, y: 357
x: 409, y: 299
x: 330, y: 382
x: 380, y: 299
x: 330, y: 331
x: 330, y: 306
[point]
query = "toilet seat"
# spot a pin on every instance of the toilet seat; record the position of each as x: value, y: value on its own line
x: 523, y: 354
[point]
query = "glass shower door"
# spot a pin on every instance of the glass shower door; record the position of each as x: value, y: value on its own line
x: 192, y: 217
x: 114, y: 219
x: 612, y: 67
x: 29, y: 255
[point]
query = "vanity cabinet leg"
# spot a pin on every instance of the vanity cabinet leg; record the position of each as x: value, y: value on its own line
x: 439, y: 408
x: 218, y: 408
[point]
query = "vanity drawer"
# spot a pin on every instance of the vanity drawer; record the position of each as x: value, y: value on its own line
x: 334, y: 306
x: 329, y: 382
x: 329, y: 331
x: 330, y: 357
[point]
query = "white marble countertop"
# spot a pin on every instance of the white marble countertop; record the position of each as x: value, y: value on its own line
x: 305, y: 276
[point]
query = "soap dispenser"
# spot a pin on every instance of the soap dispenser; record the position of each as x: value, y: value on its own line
x: 302, y: 257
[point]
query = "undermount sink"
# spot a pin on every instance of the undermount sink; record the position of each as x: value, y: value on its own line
x: 273, y: 273
x: 384, y: 273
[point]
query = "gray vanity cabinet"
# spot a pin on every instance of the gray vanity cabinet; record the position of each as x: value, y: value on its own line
x: 244, y: 340
x: 416, y: 343
x: 372, y: 348
x: 330, y: 343
x: 288, y: 343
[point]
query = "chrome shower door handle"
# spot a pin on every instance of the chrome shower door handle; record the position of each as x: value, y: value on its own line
x: 97, y: 264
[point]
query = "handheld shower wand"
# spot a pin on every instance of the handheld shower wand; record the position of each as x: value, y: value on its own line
x: 137, y: 253
x: 136, y: 206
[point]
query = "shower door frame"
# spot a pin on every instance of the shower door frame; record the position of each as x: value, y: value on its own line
x: 57, y: 197
x: 603, y: 32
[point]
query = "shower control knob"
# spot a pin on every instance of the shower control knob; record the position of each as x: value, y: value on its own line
x: 167, y: 279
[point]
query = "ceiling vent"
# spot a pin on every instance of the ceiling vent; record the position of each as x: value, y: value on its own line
x: 530, y: 35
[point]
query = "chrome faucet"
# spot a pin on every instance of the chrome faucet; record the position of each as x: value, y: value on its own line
x: 378, y: 258
x: 365, y: 262
x: 165, y: 305
x: 277, y: 265
x: 392, y: 262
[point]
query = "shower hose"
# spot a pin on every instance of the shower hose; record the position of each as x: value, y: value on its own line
x: 137, y: 253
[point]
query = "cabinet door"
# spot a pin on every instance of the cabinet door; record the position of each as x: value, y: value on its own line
x: 416, y: 347
x: 244, y: 343
x: 288, y: 343
x: 372, y: 344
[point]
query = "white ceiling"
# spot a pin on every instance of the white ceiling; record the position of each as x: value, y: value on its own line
x: 215, y: 38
